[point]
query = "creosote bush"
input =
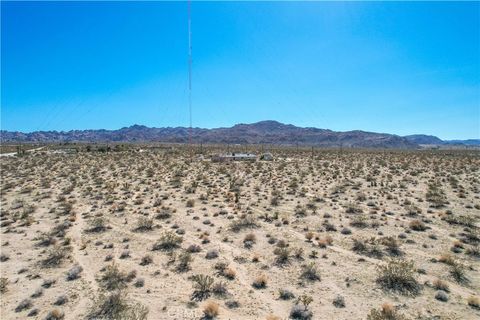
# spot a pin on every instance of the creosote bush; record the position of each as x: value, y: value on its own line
x: 168, y: 242
x: 116, y: 305
x: 398, y: 275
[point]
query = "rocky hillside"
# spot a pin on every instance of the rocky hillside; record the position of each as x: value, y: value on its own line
x: 264, y: 132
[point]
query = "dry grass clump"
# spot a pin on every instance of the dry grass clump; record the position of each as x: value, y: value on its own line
x: 399, y: 275
x: 211, y: 310
x: 441, y: 285
x: 417, y: 225
x: 54, y: 314
x: 229, y: 273
x: 387, y: 312
x: 260, y: 282
x: 474, y: 302
x: 325, y: 241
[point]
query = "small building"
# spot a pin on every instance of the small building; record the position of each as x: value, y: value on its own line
x: 234, y: 157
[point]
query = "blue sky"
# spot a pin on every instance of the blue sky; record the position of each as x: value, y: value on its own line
x: 401, y: 68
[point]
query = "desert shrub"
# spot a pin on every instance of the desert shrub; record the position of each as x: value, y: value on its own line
x: 116, y: 305
x: 139, y: 283
x: 339, y: 301
x: 190, y: 203
x: 98, y: 224
x: 232, y: 304
x: 54, y: 257
x: 144, y: 224
x: 184, y: 260
x: 146, y: 260
x: 229, y: 273
x: 194, y: 248
x: 74, y: 272
x: 275, y: 201
x: 413, y: 210
x: 387, y: 312
x: 457, y: 270
x: 3, y: 285
x: 300, y: 309
x: 352, y: 208
x: 300, y: 313
x: 441, y: 296
x: 447, y: 259
x: 398, y: 275
x: 282, y: 255
x: 436, y: 196
x: 260, y: 282
x: 440, y: 285
x: 392, y: 246
x: 47, y: 283
x: 417, y: 225
x: 369, y: 248
x: 463, y: 220
x: 113, y: 278
x: 220, y: 289
x: 473, y: 251
x: 211, y: 310
x: 168, y: 241
x: 37, y: 293
x: 211, y: 254
x: 165, y: 213
x: 285, y: 294
x: 309, y: 236
x: 202, y: 286
x: 249, y: 240
x: 125, y: 254
x: 245, y: 222
x: 359, y: 221
x: 24, y: 305
x: 54, y: 314
x: 310, y: 272
x: 45, y: 239
x: 61, y: 300
x: 474, y: 302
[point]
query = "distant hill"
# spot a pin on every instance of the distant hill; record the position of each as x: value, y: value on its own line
x: 264, y: 132
x: 432, y: 140
x: 424, y: 139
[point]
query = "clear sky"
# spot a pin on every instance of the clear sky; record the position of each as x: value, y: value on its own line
x: 400, y: 68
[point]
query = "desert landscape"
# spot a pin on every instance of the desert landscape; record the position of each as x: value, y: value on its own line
x: 165, y: 233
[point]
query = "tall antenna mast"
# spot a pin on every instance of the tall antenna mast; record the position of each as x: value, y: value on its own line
x: 190, y: 73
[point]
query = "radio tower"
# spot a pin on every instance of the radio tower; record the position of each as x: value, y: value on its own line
x: 190, y: 75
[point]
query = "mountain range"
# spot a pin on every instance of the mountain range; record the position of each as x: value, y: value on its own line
x: 263, y: 132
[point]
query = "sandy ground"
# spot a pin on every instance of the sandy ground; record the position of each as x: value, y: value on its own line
x: 337, y: 197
